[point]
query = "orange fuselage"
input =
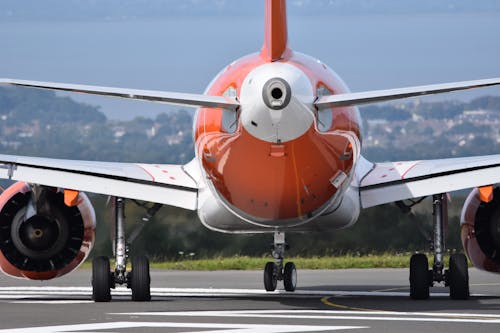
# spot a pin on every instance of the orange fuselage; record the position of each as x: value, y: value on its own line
x: 262, y: 179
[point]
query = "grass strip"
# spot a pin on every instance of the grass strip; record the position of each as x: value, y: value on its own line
x: 248, y: 263
x: 253, y: 263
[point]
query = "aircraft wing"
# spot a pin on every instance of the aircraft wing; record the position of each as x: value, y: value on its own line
x: 374, y: 96
x: 394, y: 181
x: 159, y: 183
x: 145, y: 95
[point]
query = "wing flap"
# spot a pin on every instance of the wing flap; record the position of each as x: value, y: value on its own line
x: 398, y: 93
x: 165, y: 184
x: 389, y: 182
x: 145, y: 95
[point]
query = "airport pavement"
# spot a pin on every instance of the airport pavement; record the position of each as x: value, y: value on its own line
x: 370, y: 300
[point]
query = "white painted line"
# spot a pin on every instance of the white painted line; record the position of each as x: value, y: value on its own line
x: 46, y: 288
x: 234, y: 328
x: 401, y: 313
x: 204, y: 292
x: 324, y: 312
x: 333, y: 315
x: 52, y: 302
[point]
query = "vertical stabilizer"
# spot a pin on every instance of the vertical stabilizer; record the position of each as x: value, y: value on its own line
x: 275, y: 30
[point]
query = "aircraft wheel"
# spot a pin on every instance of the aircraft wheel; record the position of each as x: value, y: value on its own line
x: 270, y: 278
x: 419, y: 276
x: 140, y: 279
x: 101, y: 280
x: 458, y: 276
x: 290, y: 276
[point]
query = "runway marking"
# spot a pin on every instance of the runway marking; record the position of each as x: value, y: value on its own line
x: 485, y: 284
x: 219, y: 328
x: 326, y: 301
x: 55, y: 301
x: 354, y: 310
x: 37, y: 292
x: 391, y: 289
x: 334, y: 315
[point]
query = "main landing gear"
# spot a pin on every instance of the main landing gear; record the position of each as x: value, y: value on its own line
x: 274, y: 271
x: 138, y: 279
x: 456, y: 276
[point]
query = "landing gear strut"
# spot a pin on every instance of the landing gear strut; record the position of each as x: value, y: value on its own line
x: 456, y: 277
x: 138, y: 279
x: 274, y: 271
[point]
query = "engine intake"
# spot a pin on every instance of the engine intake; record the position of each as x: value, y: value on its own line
x: 40, y: 236
x: 480, y: 230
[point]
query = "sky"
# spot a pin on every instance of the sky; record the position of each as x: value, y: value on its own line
x: 180, y: 45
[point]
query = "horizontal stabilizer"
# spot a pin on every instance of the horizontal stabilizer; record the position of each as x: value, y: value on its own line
x: 375, y: 96
x: 145, y: 95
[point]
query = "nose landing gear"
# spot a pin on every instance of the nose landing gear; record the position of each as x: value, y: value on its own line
x: 274, y: 271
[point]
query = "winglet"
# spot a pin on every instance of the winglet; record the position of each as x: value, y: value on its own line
x: 275, y: 31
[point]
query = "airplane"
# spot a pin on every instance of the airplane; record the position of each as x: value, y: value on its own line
x: 277, y: 149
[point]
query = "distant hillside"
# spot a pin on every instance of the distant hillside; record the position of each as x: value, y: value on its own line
x: 40, y: 123
x: 414, y: 130
x: 485, y: 103
x: 19, y: 106
x: 430, y: 110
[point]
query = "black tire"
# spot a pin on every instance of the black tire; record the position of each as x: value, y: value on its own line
x: 101, y: 280
x: 290, y: 276
x: 458, y: 276
x: 270, y: 278
x: 419, y: 276
x: 140, y: 279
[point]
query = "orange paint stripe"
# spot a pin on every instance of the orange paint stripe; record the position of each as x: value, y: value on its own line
x: 409, y: 169
x: 149, y: 173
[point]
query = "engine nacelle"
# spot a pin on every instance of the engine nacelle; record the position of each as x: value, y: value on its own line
x: 43, y: 238
x: 480, y: 230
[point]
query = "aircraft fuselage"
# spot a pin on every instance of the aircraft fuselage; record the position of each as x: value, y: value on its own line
x: 276, y: 162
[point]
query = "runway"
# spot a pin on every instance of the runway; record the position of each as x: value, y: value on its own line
x: 357, y: 300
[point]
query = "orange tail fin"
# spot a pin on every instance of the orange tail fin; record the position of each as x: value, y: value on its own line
x: 275, y: 31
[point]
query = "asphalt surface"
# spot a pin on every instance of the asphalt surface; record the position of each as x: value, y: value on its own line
x: 357, y: 300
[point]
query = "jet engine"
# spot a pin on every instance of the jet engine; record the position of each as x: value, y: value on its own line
x: 44, y: 232
x: 480, y: 230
